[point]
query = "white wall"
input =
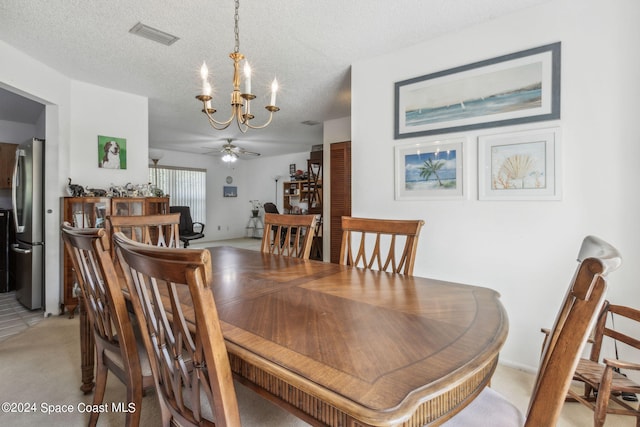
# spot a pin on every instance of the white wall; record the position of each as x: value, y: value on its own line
x: 117, y: 114
x: 525, y: 250
x: 16, y: 133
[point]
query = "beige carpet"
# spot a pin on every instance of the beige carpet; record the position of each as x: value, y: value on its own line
x: 42, y: 366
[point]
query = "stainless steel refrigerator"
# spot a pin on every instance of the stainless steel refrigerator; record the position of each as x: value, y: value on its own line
x: 28, y: 213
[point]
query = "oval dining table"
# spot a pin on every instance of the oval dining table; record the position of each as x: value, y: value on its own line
x: 343, y: 346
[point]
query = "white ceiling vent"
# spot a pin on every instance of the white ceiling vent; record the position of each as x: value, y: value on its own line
x: 153, y: 34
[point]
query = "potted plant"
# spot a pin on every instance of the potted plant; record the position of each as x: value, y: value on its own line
x: 255, y: 207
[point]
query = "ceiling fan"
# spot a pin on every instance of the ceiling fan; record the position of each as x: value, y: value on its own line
x: 230, y: 152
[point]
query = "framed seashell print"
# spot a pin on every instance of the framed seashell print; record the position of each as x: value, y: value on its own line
x: 520, y: 165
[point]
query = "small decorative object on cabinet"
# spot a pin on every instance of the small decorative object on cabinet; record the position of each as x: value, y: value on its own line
x: 7, y: 161
x: 90, y: 212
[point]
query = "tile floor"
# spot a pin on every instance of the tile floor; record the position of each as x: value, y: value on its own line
x: 14, y: 317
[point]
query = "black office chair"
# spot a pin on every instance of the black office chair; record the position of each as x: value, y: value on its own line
x: 187, y: 225
x: 273, y: 209
x: 270, y: 208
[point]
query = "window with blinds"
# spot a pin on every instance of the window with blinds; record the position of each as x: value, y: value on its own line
x: 185, y: 187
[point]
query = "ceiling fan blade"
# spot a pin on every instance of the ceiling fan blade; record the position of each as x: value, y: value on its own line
x: 247, y: 153
x: 231, y: 149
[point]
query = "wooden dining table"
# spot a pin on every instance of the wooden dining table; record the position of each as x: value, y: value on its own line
x: 343, y: 346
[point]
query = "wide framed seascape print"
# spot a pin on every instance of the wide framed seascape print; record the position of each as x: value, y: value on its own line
x: 520, y: 87
x: 429, y: 170
x: 520, y: 165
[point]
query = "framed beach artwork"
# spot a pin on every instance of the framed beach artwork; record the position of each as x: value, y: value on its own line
x: 520, y: 165
x: 429, y: 170
x: 520, y: 87
x: 229, y: 191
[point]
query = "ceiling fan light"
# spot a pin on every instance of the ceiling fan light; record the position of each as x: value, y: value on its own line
x: 229, y: 158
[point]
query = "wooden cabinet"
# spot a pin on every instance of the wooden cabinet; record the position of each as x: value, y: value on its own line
x: 89, y: 212
x: 156, y: 205
x: 7, y: 162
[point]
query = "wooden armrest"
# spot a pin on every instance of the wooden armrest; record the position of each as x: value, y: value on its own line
x: 546, y: 332
x: 621, y: 364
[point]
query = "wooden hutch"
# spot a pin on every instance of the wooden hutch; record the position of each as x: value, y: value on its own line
x: 93, y: 212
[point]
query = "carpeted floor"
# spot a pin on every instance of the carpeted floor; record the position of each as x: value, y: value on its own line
x: 40, y: 367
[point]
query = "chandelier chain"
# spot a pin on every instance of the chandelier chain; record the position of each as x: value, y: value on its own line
x: 236, y: 18
x: 240, y: 101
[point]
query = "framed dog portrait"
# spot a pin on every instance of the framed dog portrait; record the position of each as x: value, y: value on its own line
x: 112, y: 152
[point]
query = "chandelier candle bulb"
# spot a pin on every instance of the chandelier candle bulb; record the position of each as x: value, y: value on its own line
x: 247, y: 76
x: 274, y: 89
x: 204, y: 73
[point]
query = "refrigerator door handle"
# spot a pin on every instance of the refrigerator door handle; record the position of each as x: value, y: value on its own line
x: 14, y: 190
x: 18, y: 249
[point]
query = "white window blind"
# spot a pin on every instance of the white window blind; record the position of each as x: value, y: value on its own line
x: 185, y: 187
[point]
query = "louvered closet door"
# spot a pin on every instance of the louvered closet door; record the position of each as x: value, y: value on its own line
x: 340, y: 193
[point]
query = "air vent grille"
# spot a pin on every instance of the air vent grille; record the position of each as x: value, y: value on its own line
x: 154, y: 34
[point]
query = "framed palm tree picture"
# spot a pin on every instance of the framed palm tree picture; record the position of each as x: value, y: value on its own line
x: 429, y: 170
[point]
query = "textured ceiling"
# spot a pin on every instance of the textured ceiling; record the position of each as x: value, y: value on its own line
x: 307, y: 45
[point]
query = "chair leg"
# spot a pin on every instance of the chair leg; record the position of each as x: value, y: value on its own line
x: 602, y: 401
x: 101, y: 384
x: 164, y: 411
x: 134, y: 395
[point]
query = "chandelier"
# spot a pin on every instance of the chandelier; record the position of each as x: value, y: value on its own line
x: 240, y: 102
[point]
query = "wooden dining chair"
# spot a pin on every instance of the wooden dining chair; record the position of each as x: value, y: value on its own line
x: 161, y: 282
x: 603, y: 377
x: 288, y: 235
x: 117, y: 348
x: 561, y: 350
x: 157, y: 230
x: 394, y: 240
